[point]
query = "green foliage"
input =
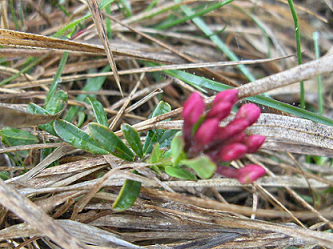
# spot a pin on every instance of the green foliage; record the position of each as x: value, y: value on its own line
x: 56, y: 80
x: 180, y: 173
x: 133, y: 139
x: 202, y: 166
x: 110, y: 142
x: 98, y: 111
x: 15, y: 137
x: 177, y: 149
x: 127, y: 195
x: 33, y: 108
x: 154, y: 136
x: 155, y: 155
x: 76, y: 137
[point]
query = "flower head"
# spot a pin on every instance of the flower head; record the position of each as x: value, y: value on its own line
x: 202, y: 134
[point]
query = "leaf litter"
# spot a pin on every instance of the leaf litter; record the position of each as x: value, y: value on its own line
x: 290, y: 206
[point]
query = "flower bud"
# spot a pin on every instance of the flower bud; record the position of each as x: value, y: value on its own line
x: 250, y: 112
x: 250, y: 173
x: 220, y: 111
x: 193, y: 108
x: 232, y: 152
x: 253, y: 142
x: 227, y: 171
x: 228, y: 96
x: 206, y: 131
x: 234, y: 127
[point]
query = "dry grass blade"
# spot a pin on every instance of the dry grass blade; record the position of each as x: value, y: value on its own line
x: 22, y: 118
x: 30, y: 213
x: 21, y: 39
x: 99, y: 23
x: 303, y: 72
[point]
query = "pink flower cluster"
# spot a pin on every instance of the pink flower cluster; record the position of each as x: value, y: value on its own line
x: 202, y: 133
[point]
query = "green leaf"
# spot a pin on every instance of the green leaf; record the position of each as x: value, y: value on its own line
x: 57, y: 102
x: 180, y: 173
x: 155, y: 155
x: 127, y: 196
x: 80, y: 119
x: 168, y: 135
x: 35, y: 109
x: 98, y: 111
x: 202, y: 165
x: 154, y: 136
x: 110, y: 142
x: 76, y: 137
x: 177, y: 149
x: 15, y: 137
x: 133, y: 138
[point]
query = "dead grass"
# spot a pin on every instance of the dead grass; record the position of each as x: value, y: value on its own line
x: 290, y: 206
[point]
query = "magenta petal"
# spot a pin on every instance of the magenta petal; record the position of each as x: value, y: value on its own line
x: 206, y: 131
x: 232, y: 152
x: 229, y: 96
x: 194, y: 107
x: 250, y: 112
x: 254, y: 142
x: 234, y: 127
x: 220, y: 111
x: 250, y: 173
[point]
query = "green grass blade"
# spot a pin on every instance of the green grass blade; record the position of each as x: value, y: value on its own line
x: 315, y: 37
x: 197, y: 14
x: 56, y: 79
x: 298, y: 47
x: 35, y: 61
x: 73, y: 24
x: 219, y: 43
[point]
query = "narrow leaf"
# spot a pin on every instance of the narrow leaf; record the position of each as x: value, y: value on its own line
x: 202, y: 165
x: 56, y: 79
x: 127, y: 195
x: 110, y: 142
x: 154, y: 136
x: 98, y: 111
x: 14, y: 137
x: 133, y: 139
x: 177, y: 149
x: 180, y: 173
x: 76, y: 137
x: 155, y: 155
